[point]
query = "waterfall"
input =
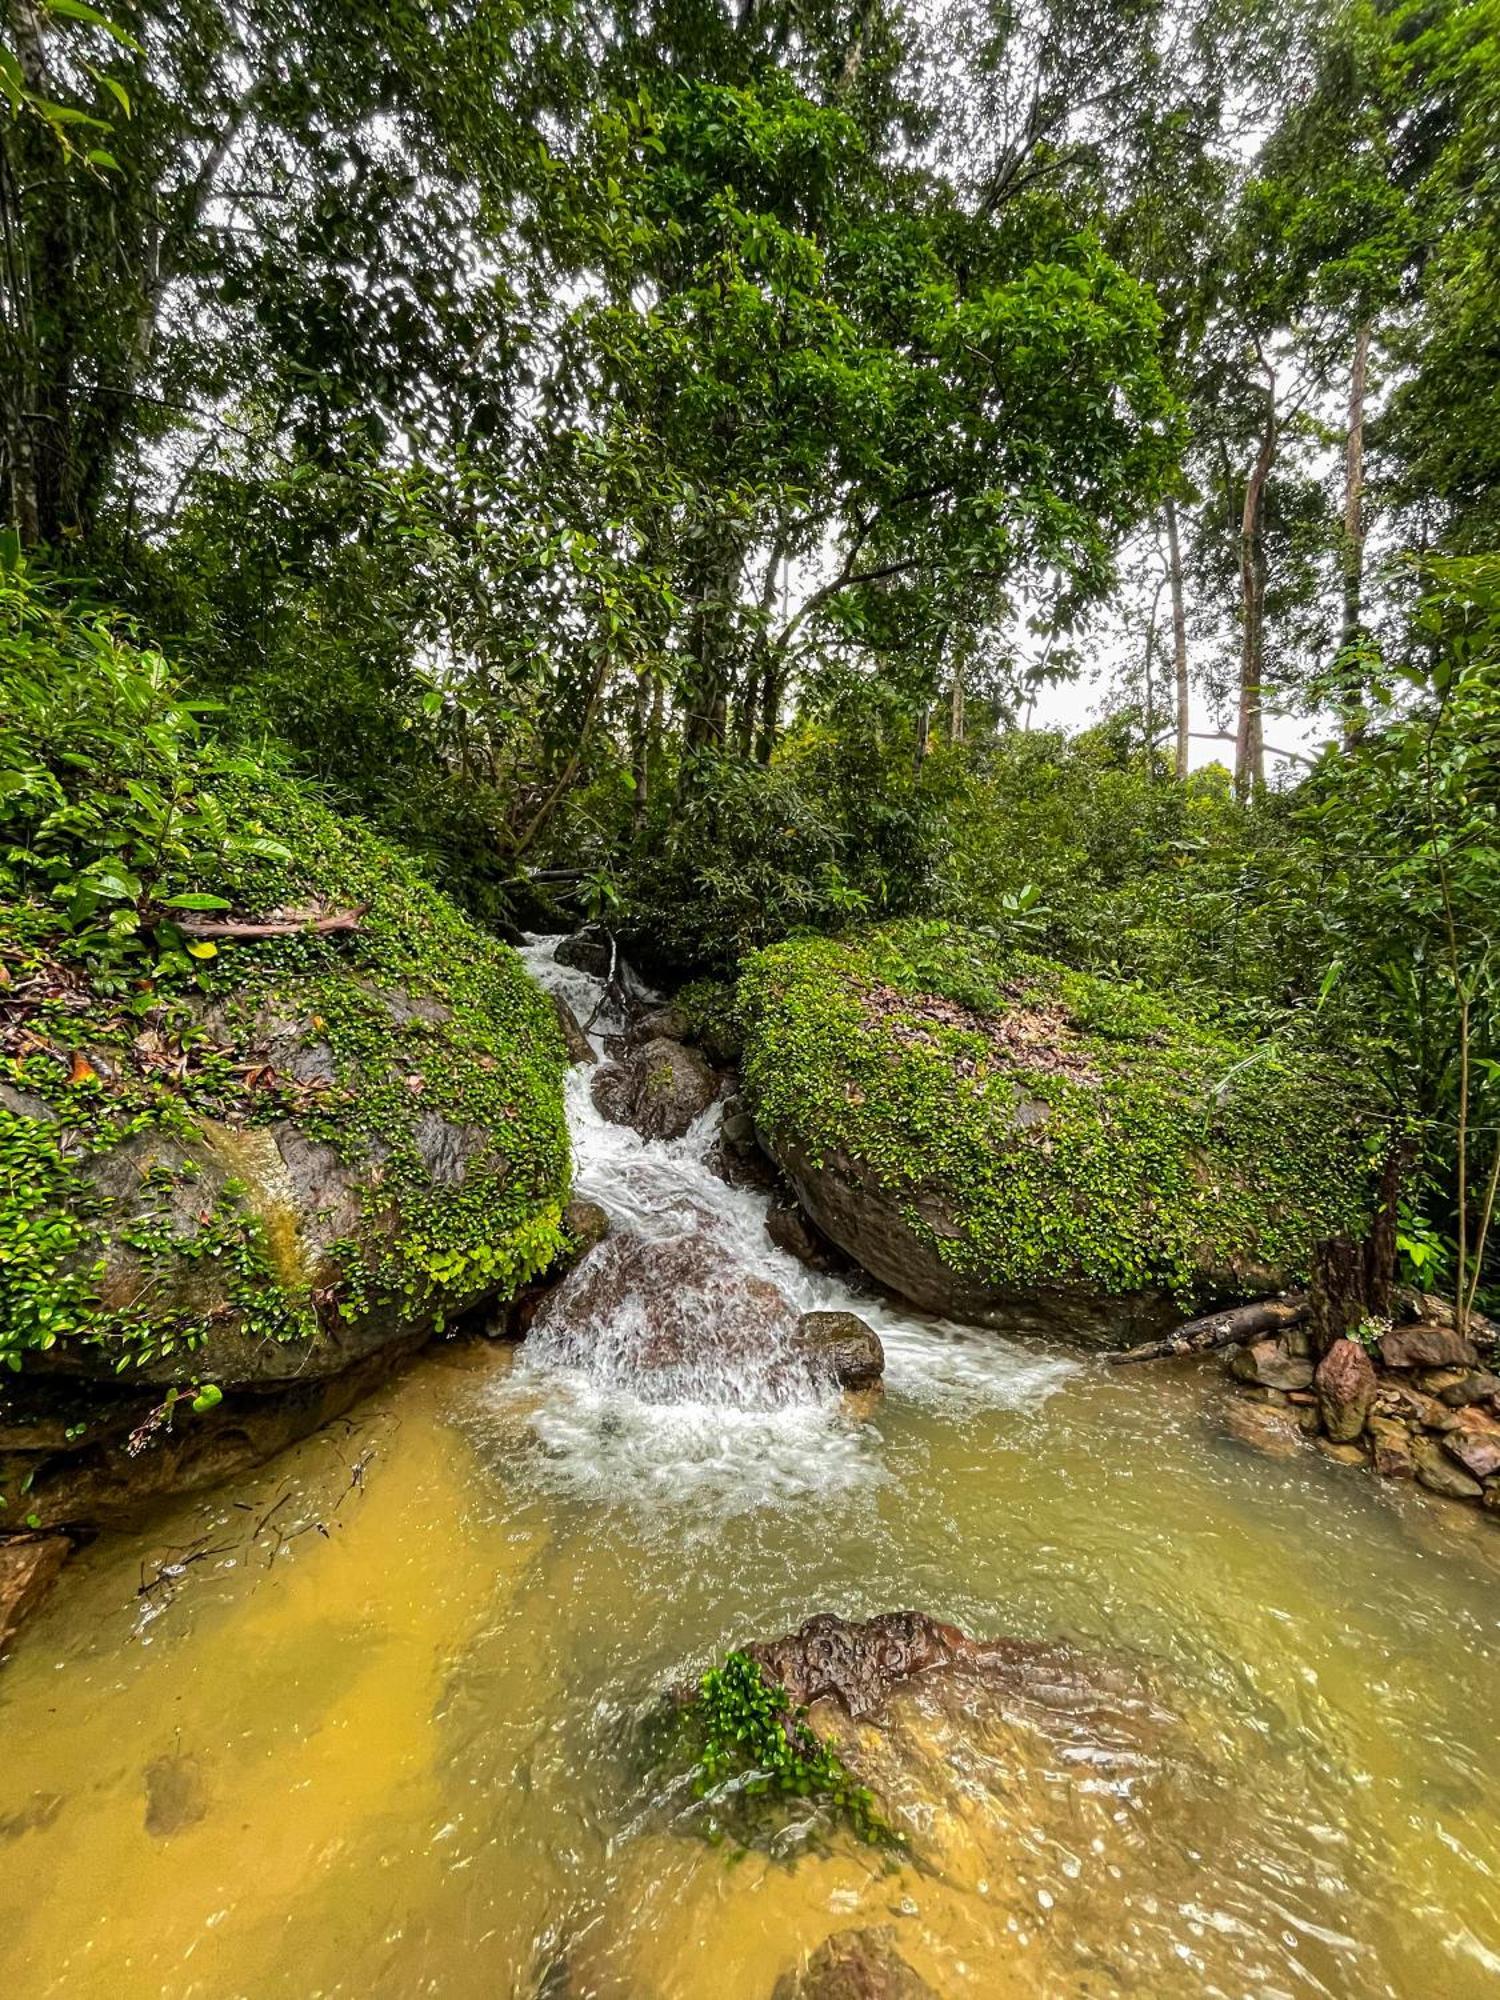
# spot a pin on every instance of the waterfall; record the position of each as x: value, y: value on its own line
x: 662, y: 1363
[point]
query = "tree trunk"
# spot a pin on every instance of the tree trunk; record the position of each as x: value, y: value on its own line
x: 1249, y: 741
x: 1353, y: 551
x: 1179, y: 641
x: 956, y: 705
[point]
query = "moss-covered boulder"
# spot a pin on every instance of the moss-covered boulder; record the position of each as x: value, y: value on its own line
x: 997, y: 1137
x: 302, y: 1148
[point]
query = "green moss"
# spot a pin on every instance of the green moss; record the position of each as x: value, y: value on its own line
x: 1071, y: 1130
x: 419, y: 1016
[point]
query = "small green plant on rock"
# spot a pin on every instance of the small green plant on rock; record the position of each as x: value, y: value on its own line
x: 753, y: 1748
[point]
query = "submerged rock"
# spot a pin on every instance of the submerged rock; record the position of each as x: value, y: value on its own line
x: 855, y: 1965
x: 660, y: 1088
x: 29, y: 1566
x: 1000, y: 1138
x: 841, y: 1345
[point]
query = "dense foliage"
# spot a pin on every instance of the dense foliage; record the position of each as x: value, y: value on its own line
x: 144, y: 1190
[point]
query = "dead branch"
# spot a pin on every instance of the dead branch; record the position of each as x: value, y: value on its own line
x: 1235, y: 1328
x: 294, y: 926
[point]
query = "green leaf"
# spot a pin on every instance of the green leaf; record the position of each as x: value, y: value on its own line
x: 195, y: 899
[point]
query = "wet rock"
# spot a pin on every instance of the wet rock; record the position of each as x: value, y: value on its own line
x: 1345, y: 1382
x: 580, y: 1048
x: 790, y: 1230
x: 660, y: 1089
x: 742, y: 1167
x: 855, y: 1965
x: 840, y: 1344
x: 858, y: 1664
x: 1438, y: 1473
x: 1341, y: 1454
x: 587, y: 950
x: 1390, y: 1445
x: 29, y: 1567
x: 668, y: 1024
x: 1268, y: 1363
x: 738, y: 1129
x: 587, y: 1225
x: 1470, y: 1385
x: 176, y: 1796
x: 124, y: 1452
x: 1275, y: 1432
x: 898, y: 1240
x: 1477, y: 1451
x: 1426, y: 1346
x: 675, y: 1320
x: 1403, y: 1399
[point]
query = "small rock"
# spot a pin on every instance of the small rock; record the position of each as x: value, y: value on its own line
x: 587, y: 1224
x: 668, y: 1024
x: 790, y: 1230
x: 1478, y: 1452
x: 855, y: 1965
x: 1437, y: 1472
x: 587, y: 950
x: 1391, y: 1444
x: 1345, y: 1383
x: 1402, y: 1400
x: 840, y: 1344
x: 738, y: 1129
x: 175, y: 1795
x: 1425, y: 1346
x: 28, y: 1569
x: 1492, y: 1496
x: 1433, y: 1381
x: 1268, y: 1363
x: 1341, y: 1454
x: 580, y: 1048
x: 659, y: 1089
x: 1474, y: 1385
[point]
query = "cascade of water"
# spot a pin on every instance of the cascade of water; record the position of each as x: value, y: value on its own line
x: 652, y: 1366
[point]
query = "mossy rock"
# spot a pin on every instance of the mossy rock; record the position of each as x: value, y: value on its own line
x: 317, y: 1146
x: 1003, y: 1139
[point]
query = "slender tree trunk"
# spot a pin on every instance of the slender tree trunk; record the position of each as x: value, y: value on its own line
x: 956, y: 704
x: 1353, y: 551
x: 1179, y: 641
x: 1249, y: 741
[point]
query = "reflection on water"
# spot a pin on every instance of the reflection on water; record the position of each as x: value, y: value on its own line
x: 363, y: 1723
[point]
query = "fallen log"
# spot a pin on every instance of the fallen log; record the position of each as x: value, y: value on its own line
x: 1235, y: 1328
x: 294, y: 926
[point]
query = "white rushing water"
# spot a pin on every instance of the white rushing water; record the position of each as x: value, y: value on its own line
x: 724, y: 1433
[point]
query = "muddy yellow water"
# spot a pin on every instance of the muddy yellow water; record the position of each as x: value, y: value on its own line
x: 366, y: 1721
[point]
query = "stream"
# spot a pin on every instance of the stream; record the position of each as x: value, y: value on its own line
x: 366, y: 1721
